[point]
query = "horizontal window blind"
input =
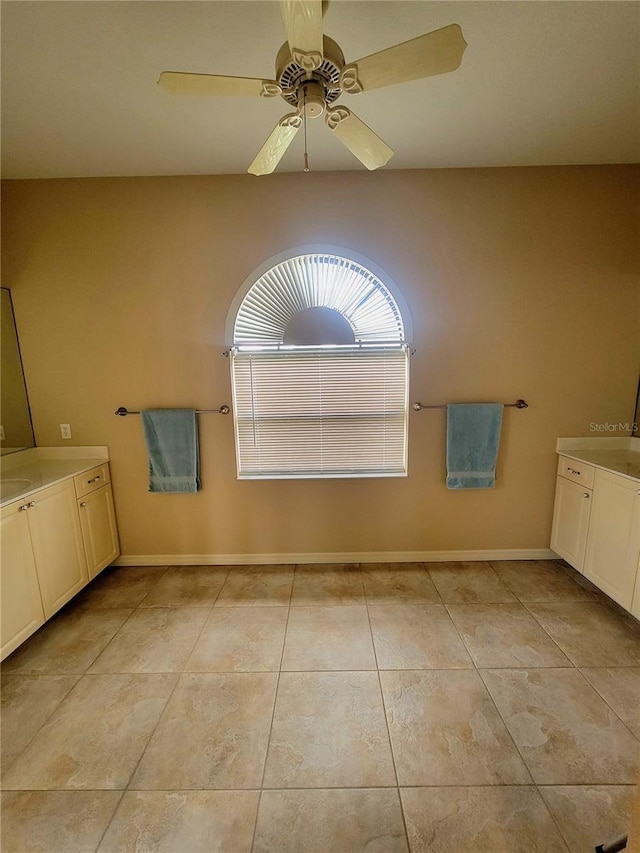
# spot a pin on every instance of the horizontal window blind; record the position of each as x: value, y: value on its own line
x: 321, y: 412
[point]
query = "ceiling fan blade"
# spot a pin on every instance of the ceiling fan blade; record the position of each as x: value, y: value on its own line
x: 277, y: 143
x: 303, y: 25
x: 433, y: 53
x: 358, y: 138
x: 183, y: 83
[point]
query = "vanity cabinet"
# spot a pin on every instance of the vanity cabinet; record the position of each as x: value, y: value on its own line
x: 22, y: 611
x: 53, y: 542
x: 97, y: 519
x: 613, y: 545
x: 596, y: 528
x: 572, y: 510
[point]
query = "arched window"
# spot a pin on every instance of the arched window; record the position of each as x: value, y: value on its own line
x: 319, y: 367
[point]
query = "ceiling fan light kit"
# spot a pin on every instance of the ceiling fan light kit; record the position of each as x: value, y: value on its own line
x: 311, y: 74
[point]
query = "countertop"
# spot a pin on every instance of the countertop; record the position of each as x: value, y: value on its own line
x: 618, y: 455
x: 24, y: 473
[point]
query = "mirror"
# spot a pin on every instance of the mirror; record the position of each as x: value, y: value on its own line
x: 16, y: 432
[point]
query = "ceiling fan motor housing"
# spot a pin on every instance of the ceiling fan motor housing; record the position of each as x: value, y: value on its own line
x: 326, y: 78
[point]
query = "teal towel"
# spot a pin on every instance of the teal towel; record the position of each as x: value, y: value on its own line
x: 473, y: 434
x: 171, y: 436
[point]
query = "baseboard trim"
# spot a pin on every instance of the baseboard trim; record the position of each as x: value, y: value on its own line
x: 348, y: 557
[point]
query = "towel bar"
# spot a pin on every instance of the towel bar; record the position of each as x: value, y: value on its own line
x: 223, y: 410
x: 519, y: 404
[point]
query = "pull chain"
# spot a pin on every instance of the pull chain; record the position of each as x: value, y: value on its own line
x: 304, y: 121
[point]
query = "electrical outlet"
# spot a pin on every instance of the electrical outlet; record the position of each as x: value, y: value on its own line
x: 65, y: 430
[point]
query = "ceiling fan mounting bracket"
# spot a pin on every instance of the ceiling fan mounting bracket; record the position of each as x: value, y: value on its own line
x: 334, y: 115
x: 307, y: 61
x: 270, y: 89
x: 349, y: 81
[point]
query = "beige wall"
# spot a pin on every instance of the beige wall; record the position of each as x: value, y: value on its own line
x: 520, y: 282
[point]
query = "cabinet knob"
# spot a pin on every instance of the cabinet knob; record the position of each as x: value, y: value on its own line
x: 23, y: 508
x: 31, y: 503
x: 586, y: 495
x: 84, y: 503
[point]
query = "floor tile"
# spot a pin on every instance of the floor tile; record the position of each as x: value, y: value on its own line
x: 590, y: 634
x: 327, y: 584
x: 236, y: 639
x: 183, y: 822
x: 565, y: 732
x: 330, y: 821
x: 416, y: 636
x: 27, y: 703
x: 540, y: 580
x: 590, y: 815
x: 68, y: 643
x: 393, y: 583
x: 156, y: 639
x: 257, y: 585
x: 55, y: 821
x: 498, y: 819
x: 228, y: 716
x: 335, y: 637
x: 468, y: 582
x: 164, y: 744
x: 124, y: 586
x: 329, y: 731
x: 96, y: 736
x: 620, y: 688
x: 183, y: 586
x: 506, y: 635
x: 445, y: 730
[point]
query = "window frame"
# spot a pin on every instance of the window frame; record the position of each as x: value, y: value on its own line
x: 397, y: 307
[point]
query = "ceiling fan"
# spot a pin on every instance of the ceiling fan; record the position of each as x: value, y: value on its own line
x: 311, y: 74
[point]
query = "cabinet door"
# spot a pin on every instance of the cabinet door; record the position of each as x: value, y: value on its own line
x: 571, y: 521
x: 98, y: 522
x: 22, y: 611
x: 57, y: 545
x: 611, y: 561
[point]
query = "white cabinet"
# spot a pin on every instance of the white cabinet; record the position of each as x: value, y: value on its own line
x: 572, y: 509
x: 596, y: 528
x: 99, y: 532
x: 22, y: 611
x: 53, y: 543
x: 613, y: 544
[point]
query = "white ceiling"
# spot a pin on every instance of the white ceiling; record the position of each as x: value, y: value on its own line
x: 540, y: 83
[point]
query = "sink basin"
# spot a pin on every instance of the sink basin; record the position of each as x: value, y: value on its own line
x: 13, y: 488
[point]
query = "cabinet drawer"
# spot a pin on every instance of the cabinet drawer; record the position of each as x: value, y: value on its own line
x: 577, y: 472
x: 91, y: 480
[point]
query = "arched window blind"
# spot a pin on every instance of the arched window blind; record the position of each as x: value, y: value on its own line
x: 336, y: 409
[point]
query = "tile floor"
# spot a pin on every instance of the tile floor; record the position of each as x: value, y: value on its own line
x: 433, y: 707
